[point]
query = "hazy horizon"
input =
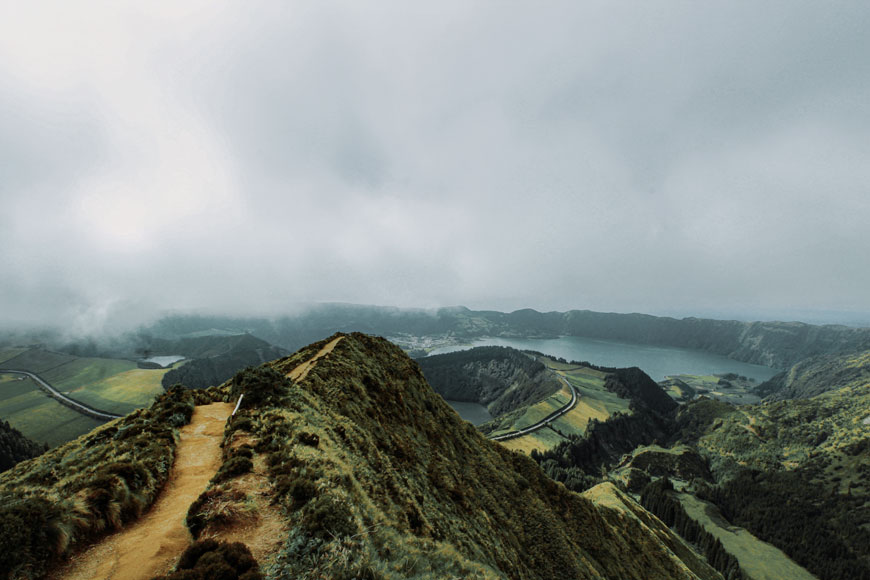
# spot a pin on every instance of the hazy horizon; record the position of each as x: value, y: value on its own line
x: 670, y: 159
x: 111, y: 326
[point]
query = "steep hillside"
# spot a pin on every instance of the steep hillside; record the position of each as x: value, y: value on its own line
x: 73, y: 495
x: 792, y: 473
x: 795, y: 473
x: 15, y: 447
x: 358, y: 468
x: 215, y: 358
x: 502, y: 379
x: 378, y: 471
x: 817, y: 375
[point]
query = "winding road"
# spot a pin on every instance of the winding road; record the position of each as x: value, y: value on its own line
x: 63, y: 399
x: 546, y: 420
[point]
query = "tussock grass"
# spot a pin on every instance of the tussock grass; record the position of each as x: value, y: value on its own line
x: 72, y: 495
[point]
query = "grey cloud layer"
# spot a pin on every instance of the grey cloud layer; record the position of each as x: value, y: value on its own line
x: 655, y: 157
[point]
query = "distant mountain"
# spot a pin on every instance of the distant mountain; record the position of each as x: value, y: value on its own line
x: 357, y: 467
x: 775, y: 344
x: 216, y: 358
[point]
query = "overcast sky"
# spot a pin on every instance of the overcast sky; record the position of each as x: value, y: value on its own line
x: 664, y: 157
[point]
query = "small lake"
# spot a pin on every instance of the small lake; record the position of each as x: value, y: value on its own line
x: 474, y: 413
x: 656, y: 361
x: 164, y: 361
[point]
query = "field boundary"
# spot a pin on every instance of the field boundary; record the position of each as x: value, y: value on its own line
x: 73, y: 404
x: 546, y: 420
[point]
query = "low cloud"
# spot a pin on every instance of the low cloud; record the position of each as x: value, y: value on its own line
x: 662, y: 158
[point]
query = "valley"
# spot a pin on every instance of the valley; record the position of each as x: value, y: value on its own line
x: 757, y: 463
x: 104, y: 387
x: 780, y: 471
x: 367, y: 471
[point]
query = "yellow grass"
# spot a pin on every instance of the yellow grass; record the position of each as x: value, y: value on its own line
x: 759, y: 559
x: 595, y: 402
x: 124, y: 391
x: 45, y: 420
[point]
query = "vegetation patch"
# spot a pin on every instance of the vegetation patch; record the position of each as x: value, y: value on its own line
x: 262, y: 386
x: 88, y: 487
x: 38, y: 416
x: 213, y: 560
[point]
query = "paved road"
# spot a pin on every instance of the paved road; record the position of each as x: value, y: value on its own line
x: 63, y: 399
x: 546, y: 420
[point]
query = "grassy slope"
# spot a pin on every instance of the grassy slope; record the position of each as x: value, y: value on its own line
x: 381, y: 479
x: 760, y: 560
x: 809, y: 463
x: 72, y: 495
x: 37, y: 416
x: 595, y: 403
x: 112, y: 385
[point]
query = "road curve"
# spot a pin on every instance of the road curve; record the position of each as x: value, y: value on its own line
x: 546, y: 420
x: 63, y: 399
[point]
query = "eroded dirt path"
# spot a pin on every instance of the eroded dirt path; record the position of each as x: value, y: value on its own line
x: 301, y: 371
x: 152, y: 545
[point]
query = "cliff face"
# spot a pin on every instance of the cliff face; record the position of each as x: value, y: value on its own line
x: 501, y: 378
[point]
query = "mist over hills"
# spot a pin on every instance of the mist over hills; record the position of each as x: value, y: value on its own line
x: 775, y: 344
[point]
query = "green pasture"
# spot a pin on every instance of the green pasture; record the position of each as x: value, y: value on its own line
x: 38, y: 416
x: 85, y: 371
x: 9, y: 353
x: 37, y: 360
x: 595, y: 402
x: 123, y: 392
x: 760, y: 560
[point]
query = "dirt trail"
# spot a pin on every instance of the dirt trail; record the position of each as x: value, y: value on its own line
x: 152, y: 545
x: 301, y: 371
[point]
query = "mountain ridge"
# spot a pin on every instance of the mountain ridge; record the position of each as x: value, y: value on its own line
x: 374, y: 475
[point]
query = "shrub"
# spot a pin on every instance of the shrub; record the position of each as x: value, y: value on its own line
x: 262, y: 386
x: 213, y: 507
x: 233, y: 467
x: 213, y: 560
x: 28, y: 533
x: 329, y: 518
x: 310, y: 439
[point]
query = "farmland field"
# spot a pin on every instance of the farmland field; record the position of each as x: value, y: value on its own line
x: 112, y: 385
x: 36, y: 360
x: 123, y: 392
x: 84, y: 371
x: 595, y: 402
x: 38, y: 416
